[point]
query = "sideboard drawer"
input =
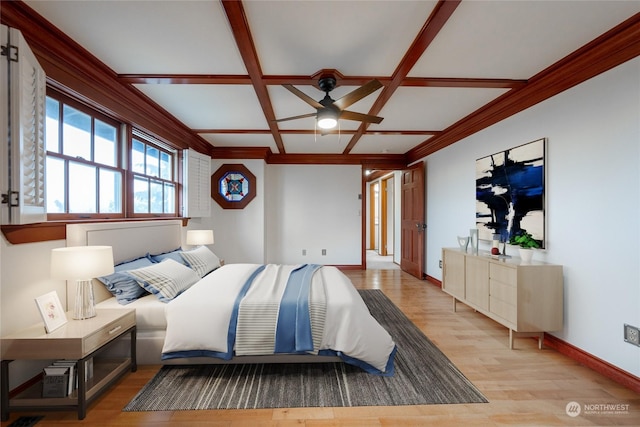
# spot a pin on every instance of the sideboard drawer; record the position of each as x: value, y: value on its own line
x: 503, y: 273
x: 505, y: 310
x: 503, y: 291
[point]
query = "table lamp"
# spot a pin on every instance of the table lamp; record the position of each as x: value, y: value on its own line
x: 199, y: 237
x: 82, y: 264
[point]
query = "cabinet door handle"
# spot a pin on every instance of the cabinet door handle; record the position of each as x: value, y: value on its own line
x: 116, y: 329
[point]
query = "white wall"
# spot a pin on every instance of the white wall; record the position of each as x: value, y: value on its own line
x: 593, y: 203
x: 314, y: 207
x: 239, y: 234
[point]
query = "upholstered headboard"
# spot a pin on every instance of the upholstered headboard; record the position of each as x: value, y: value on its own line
x: 129, y: 240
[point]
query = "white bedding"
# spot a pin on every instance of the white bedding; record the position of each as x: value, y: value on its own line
x: 199, y: 318
x: 149, y: 312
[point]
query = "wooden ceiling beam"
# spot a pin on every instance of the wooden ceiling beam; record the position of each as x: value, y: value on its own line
x: 312, y: 131
x: 436, y: 21
x: 233, y: 79
x: 242, y: 35
x: 190, y: 79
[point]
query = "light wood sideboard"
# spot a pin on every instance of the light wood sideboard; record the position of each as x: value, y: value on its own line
x: 527, y: 298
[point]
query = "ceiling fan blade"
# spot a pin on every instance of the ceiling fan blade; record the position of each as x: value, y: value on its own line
x: 358, y: 94
x: 300, y: 94
x: 351, y: 115
x: 302, y: 116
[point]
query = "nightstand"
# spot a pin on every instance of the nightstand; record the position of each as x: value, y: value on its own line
x: 79, y: 340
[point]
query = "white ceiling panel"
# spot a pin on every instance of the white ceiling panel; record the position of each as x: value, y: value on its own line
x: 387, y: 144
x: 516, y: 39
x: 353, y: 37
x: 210, y: 106
x: 150, y: 36
x: 432, y: 108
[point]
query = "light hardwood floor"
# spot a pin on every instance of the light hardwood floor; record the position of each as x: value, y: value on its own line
x: 524, y: 386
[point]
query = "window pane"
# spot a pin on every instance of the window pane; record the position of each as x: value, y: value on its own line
x: 52, y: 125
x: 153, y: 162
x: 165, y: 166
x: 76, y: 133
x: 140, y: 195
x: 55, y: 185
x: 157, y: 201
x: 105, y: 144
x: 169, y: 198
x: 137, y: 156
x: 110, y: 191
x: 82, y: 188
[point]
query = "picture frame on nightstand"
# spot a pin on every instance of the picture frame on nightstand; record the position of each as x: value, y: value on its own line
x: 51, y: 311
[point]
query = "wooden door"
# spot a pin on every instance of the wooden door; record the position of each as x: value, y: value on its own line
x: 412, y: 221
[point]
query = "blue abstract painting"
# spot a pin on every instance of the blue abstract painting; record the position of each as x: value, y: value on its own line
x: 510, y: 192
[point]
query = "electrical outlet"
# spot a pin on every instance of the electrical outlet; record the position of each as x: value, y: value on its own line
x: 632, y: 334
x: 324, y: 252
x: 440, y: 263
x: 304, y: 252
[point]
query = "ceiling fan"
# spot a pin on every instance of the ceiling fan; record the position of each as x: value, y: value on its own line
x: 328, y: 111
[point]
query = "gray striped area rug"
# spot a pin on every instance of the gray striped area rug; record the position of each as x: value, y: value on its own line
x: 423, y: 375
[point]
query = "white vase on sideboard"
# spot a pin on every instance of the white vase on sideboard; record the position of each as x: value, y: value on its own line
x: 526, y: 254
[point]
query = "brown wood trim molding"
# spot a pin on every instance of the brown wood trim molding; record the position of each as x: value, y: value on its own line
x: 613, y: 48
x: 590, y: 361
x: 74, y: 70
x: 57, y: 230
x: 349, y: 267
x: 31, y: 233
x: 240, y: 153
x: 389, y: 161
x: 433, y: 280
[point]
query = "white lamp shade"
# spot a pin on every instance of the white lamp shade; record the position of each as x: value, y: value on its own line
x: 199, y: 237
x: 81, y: 262
x: 327, y: 119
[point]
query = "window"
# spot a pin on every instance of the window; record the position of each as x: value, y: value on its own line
x: 154, y: 185
x: 87, y: 176
x: 84, y: 176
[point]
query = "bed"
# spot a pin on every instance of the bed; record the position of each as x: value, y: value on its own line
x: 204, y: 321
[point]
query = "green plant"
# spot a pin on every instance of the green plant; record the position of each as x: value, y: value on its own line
x: 524, y: 240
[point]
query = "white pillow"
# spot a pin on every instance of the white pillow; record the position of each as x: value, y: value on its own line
x: 166, y: 280
x: 202, y: 260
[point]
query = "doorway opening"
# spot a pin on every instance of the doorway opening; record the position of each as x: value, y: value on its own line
x: 381, y: 242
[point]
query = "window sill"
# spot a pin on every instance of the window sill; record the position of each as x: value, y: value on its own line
x: 57, y: 230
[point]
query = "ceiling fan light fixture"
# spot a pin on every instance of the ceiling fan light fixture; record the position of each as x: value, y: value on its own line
x: 327, y: 119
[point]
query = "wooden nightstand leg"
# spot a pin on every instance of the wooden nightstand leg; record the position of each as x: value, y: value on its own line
x: 82, y: 389
x: 511, y: 339
x: 4, y: 403
x: 134, y: 363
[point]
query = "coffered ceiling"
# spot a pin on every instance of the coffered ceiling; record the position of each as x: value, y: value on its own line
x: 448, y: 69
